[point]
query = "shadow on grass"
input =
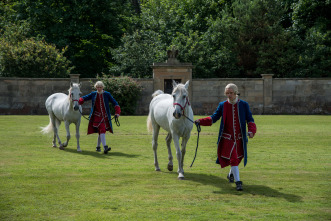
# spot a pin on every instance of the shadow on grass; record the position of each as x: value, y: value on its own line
x: 101, y: 154
x: 229, y: 188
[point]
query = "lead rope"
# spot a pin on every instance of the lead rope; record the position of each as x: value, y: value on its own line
x: 83, y: 115
x: 199, y: 130
x: 117, y: 122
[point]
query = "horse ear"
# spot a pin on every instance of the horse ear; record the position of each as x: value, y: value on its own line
x: 71, y: 84
x: 187, y: 84
x: 174, y: 84
x: 80, y: 85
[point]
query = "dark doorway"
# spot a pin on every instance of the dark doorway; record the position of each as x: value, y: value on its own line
x: 168, y: 85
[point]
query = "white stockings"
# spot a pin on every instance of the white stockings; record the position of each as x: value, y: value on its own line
x: 235, y: 171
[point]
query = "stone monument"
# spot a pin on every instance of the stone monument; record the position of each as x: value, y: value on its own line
x: 172, y: 69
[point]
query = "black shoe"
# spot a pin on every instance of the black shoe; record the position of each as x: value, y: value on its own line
x: 239, y: 185
x: 98, y: 149
x: 230, y: 178
x: 106, y: 149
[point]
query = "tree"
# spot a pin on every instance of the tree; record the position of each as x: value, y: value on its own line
x: 137, y: 54
x: 164, y: 23
x: 89, y: 29
x: 29, y: 57
x: 312, y: 24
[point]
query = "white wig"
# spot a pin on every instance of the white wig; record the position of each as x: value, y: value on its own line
x: 99, y: 83
x: 233, y: 87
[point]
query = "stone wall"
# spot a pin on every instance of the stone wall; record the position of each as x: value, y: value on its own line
x: 207, y: 93
x: 265, y: 95
x: 301, y: 96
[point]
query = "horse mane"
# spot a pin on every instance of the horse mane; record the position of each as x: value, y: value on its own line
x: 69, y: 93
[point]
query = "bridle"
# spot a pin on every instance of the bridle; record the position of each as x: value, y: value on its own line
x: 72, y: 99
x: 181, y: 107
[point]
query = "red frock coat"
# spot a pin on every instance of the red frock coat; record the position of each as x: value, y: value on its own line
x: 230, y: 149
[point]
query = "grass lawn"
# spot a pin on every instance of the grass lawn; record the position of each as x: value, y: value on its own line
x: 287, y: 176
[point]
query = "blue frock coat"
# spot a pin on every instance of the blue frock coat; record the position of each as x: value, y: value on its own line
x: 106, y: 98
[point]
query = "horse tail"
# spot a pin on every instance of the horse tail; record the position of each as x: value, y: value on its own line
x: 149, y: 123
x: 158, y: 92
x: 48, y: 128
x: 149, y: 118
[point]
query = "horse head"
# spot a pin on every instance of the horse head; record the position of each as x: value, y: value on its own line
x: 74, y: 94
x: 180, y: 95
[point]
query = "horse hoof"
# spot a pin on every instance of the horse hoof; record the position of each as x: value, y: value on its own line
x: 54, y: 146
x: 170, y: 167
x: 79, y: 150
x: 158, y: 169
x: 61, y: 148
x: 181, y: 178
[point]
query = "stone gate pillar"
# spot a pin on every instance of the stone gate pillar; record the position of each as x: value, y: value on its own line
x: 172, y: 69
x: 74, y: 78
x: 267, y: 92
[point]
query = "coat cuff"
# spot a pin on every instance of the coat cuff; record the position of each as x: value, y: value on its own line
x: 117, y: 109
x: 81, y: 101
x: 252, y: 127
x: 206, y: 121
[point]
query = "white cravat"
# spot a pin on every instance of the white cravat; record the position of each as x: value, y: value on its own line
x: 234, y: 101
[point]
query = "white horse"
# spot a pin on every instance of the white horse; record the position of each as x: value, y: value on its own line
x: 167, y: 111
x: 62, y: 107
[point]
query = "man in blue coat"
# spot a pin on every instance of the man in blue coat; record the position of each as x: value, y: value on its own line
x: 100, y: 117
x: 232, y: 137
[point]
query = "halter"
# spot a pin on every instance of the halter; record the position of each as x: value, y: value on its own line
x: 71, y: 98
x: 181, y: 107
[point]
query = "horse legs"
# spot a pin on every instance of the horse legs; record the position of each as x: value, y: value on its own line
x: 179, y: 157
x: 184, y: 142
x: 67, y: 124
x: 54, y: 140
x: 168, y: 141
x: 77, y: 136
x: 156, y: 129
x: 55, y: 123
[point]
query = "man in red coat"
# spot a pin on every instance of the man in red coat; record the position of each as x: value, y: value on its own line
x: 232, y: 141
x: 100, y: 117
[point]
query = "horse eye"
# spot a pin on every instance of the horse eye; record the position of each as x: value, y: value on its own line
x: 184, y: 96
x: 80, y: 93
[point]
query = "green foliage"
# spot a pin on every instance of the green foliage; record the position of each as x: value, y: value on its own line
x: 29, y: 57
x: 312, y: 24
x: 89, y: 28
x: 166, y: 23
x: 251, y: 25
x: 125, y: 90
x: 236, y: 38
x: 315, y: 60
x: 309, y: 14
x: 137, y: 54
x: 221, y: 38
